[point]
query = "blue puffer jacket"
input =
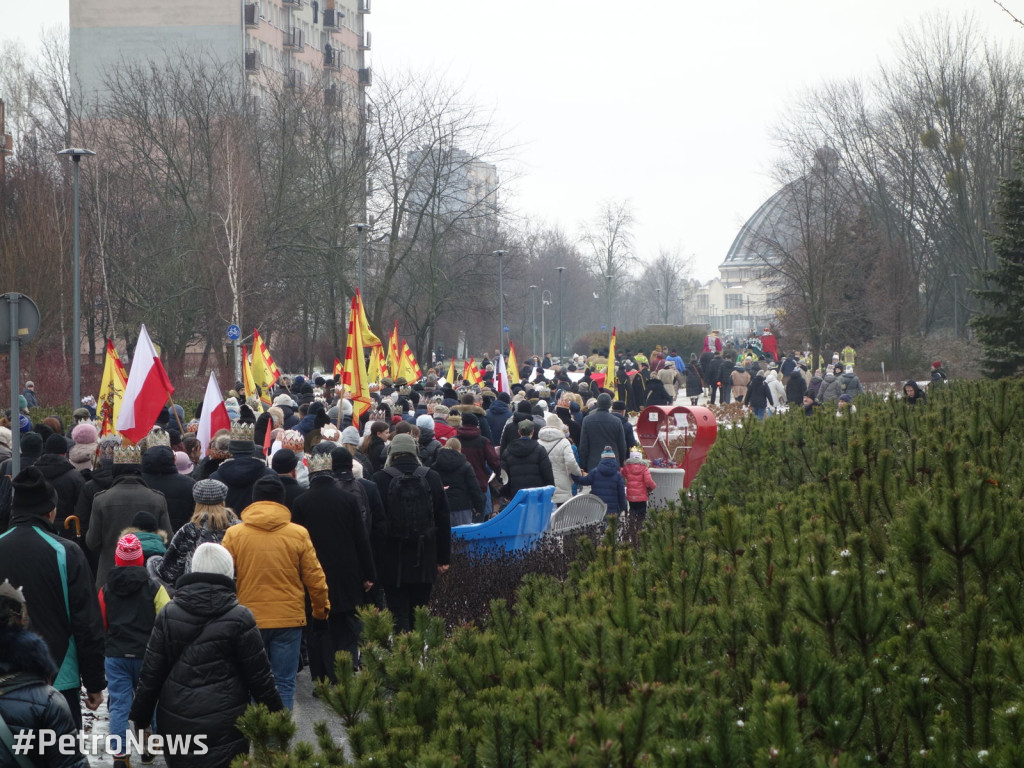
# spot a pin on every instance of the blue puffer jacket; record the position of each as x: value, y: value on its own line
x: 607, y: 484
x: 497, y: 416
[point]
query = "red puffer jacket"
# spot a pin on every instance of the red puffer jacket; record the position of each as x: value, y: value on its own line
x: 639, y: 482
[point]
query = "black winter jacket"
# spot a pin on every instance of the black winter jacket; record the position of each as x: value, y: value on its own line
x: 758, y: 395
x: 601, y: 428
x: 31, y: 559
x: 67, y: 482
x: 496, y: 417
x: 332, y: 517
x: 240, y: 475
x: 795, y: 388
x: 527, y: 465
x: 160, y: 473
x: 460, y: 482
x: 128, y: 603
x: 204, y: 662
x: 401, y: 562
x: 27, y: 700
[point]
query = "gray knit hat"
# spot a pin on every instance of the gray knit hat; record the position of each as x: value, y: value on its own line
x: 209, y: 492
x: 403, y: 443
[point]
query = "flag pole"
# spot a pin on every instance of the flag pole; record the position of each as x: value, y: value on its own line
x: 177, y: 418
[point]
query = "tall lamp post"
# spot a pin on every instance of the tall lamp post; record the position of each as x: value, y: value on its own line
x: 658, y: 292
x: 501, y: 304
x: 533, y: 300
x: 561, y: 338
x: 956, y: 309
x: 360, y: 228
x: 76, y: 154
x: 545, y: 301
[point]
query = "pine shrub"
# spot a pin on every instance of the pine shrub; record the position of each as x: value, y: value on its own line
x: 831, y: 592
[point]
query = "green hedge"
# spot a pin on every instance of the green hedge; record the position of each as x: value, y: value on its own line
x: 831, y: 592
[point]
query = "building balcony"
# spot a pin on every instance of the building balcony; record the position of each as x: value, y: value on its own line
x: 332, y: 59
x: 293, y: 39
x: 364, y: 6
x: 292, y: 3
x: 293, y: 78
x: 252, y: 62
x: 332, y: 96
x: 332, y: 18
x: 365, y: 42
x: 366, y: 76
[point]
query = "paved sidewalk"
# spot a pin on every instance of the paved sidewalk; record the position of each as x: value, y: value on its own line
x: 308, y: 710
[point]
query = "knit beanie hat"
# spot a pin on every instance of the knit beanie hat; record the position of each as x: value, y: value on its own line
x: 469, y: 419
x: 56, y: 444
x: 209, y: 492
x: 144, y: 521
x: 31, y: 445
x: 284, y: 461
x: 24, y: 423
x: 213, y: 558
x: 425, y: 422
x: 129, y: 551
x: 350, y: 436
x: 607, y: 453
x: 403, y: 443
x: 32, y: 493
x: 604, y: 401
x: 84, y: 434
x: 268, y: 488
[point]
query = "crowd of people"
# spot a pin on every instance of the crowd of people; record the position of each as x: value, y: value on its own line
x: 189, y: 583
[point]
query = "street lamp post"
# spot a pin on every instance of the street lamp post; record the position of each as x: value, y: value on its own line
x: 561, y: 337
x: 360, y: 228
x: 533, y: 300
x: 956, y: 309
x: 76, y: 154
x: 545, y: 301
x: 608, y: 303
x: 658, y: 291
x: 501, y: 304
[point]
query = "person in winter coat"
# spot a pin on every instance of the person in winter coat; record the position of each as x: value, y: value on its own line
x: 657, y: 394
x: 814, y: 385
x: 129, y: 603
x: 563, y: 410
x: 28, y: 701
x: 759, y: 395
x: 49, y: 568
x: 332, y: 517
x: 408, y: 567
x: 160, y: 472
x: 795, y: 387
x: 601, y: 428
x: 524, y: 410
x: 350, y: 441
x: 607, y: 483
x: 849, y: 384
x: 373, y: 445
x: 694, y: 382
x: 113, y: 510
x: 619, y: 412
x: 526, y: 462
x: 671, y: 378
x: 286, y: 464
x: 204, y: 663
x: 468, y: 403
x: 498, y: 415
x: 913, y: 394
x: 480, y: 454
x: 639, y: 484
x: 5, y: 444
x: 554, y: 439
x: 465, y: 497
x: 713, y: 377
x: 739, y: 379
x: 65, y: 479
x: 276, y: 564
x: 154, y: 540
x: 241, y: 472
x: 83, y: 453
x: 210, y: 521
x: 428, y: 446
x: 775, y: 387
x: 829, y: 390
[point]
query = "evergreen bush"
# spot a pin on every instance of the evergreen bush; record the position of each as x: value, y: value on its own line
x: 831, y: 592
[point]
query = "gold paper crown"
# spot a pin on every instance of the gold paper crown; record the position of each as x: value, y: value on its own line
x: 319, y: 462
x: 127, y: 454
x: 242, y: 432
x: 158, y: 436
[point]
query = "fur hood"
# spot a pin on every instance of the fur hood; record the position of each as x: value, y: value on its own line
x: 24, y: 651
x: 645, y: 462
x: 159, y: 532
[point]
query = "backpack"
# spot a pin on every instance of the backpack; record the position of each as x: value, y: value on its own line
x: 410, y: 504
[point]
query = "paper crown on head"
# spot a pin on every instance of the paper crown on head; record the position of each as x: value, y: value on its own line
x: 158, y: 436
x: 127, y: 454
x: 242, y: 432
x: 319, y: 462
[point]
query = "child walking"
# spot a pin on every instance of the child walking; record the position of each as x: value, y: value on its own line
x: 639, y: 484
x: 129, y: 602
x: 606, y: 483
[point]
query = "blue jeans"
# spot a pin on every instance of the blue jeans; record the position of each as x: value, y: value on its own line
x: 122, y: 679
x: 283, y: 649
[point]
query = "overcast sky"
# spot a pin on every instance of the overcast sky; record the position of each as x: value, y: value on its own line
x: 668, y: 104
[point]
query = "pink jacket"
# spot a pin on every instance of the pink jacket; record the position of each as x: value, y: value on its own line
x: 639, y: 482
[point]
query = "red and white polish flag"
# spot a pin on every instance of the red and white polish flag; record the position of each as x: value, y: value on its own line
x: 147, y: 391
x: 214, y: 416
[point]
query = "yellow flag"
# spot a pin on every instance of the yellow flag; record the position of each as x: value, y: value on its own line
x: 394, y: 359
x: 264, y: 371
x: 111, y: 391
x: 450, y: 378
x: 513, y: 365
x: 378, y: 367
x: 356, y: 380
x: 247, y: 380
x: 369, y: 339
x: 611, y: 357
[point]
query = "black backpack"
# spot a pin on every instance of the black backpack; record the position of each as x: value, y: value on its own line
x: 410, y: 504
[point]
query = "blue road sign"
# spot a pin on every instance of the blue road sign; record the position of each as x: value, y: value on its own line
x: 505, y: 329
x: 604, y: 327
x: 234, y: 332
